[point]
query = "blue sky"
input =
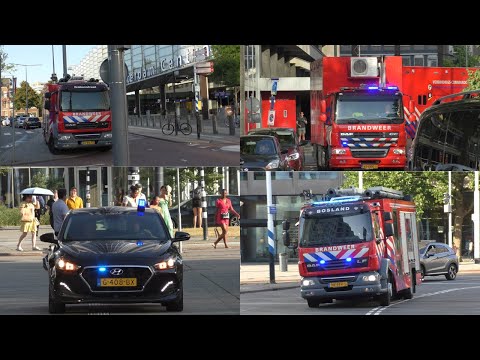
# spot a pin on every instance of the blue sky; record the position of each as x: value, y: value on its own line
x: 42, y: 54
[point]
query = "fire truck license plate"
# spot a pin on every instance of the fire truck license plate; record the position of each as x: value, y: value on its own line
x: 339, y: 284
x: 369, y: 166
x: 89, y: 142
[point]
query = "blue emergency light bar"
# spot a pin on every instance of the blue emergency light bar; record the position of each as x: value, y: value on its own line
x: 142, y: 203
x: 373, y: 88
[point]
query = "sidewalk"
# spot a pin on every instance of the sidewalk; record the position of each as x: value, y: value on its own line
x: 255, y: 277
x: 9, y: 237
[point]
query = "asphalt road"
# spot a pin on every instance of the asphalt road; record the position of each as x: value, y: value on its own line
x: 436, y: 296
x: 211, y: 286
x: 31, y: 150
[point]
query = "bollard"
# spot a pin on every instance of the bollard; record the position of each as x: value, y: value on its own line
x: 283, y: 259
x: 214, y: 124
x: 231, y: 125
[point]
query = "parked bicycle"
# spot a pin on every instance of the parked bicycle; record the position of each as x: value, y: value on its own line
x: 169, y: 128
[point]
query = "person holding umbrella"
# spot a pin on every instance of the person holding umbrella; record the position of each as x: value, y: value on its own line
x: 29, y: 222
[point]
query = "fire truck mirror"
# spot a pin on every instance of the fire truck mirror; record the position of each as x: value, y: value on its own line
x: 286, y: 238
x: 323, y: 117
x: 48, y: 95
x: 286, y: 225
x: 323, y: 106
x: 389, y: 230
x: 387, y: 216
x: 47, y: 104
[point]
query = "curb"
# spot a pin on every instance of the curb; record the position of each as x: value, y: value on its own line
x: 181, y: 141
x: 289, y: 287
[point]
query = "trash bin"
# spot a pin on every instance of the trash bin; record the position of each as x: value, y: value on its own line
x: 283, y: 262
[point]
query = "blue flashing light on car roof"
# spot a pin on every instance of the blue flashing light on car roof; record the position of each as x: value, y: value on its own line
x: 373, y: 88
x: 322, y: 261
x: 392, y: 87
x: 345, y: 198
x: 142, y: 203
x: 102, y: 269
x: 139, y: 243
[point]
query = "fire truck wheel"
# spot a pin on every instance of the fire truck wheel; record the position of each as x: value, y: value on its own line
x: 52, y: 148
x: 386, y: 298
x: 313, y: 303
x: 408, y: 294
x: 422, y: 272
x: 452, y: 272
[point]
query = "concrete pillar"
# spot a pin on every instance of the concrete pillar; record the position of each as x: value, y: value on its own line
x: 281, y: 69
x: 161, y: 87
x: 265, y: 70
x: 137, y: 102
x: 273, y: 63
x: 204, y: 95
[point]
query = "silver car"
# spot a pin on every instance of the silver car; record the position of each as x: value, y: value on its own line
x: 438, y: 259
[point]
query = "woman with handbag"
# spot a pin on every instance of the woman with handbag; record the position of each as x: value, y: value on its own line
x: 222, y: 218
x: 29, y: 221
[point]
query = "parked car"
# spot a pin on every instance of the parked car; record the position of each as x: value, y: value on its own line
x: 19, y: 121
x: 438, y: 259
x: 187, y: 211
x: 112, y: 255
x: 6, y: 122
x: 288, y: 141
x: 32, y: 122
x: 448, y: 135
x: 262, y: 152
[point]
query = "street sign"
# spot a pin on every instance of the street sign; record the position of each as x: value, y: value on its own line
x: 274, y: 87
x: 105, y: 71
x: 271, y: 117
x: 135, y: 177
x: 272, y: 209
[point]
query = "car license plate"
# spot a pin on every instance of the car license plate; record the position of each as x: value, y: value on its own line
x: 339, y: 284
x: 369, y: 166
x: 116, y: 282
x: 89, y: 142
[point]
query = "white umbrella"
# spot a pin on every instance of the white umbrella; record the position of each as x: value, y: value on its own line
x: 36, y: 191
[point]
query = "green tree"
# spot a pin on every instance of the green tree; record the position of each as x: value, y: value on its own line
x: 226, y: 64
x: 40, y: 179
x: 427, y: 189
x: 5, y: 67
x: 460, y: 57
x: 34, y: 99
x: 473, y: 81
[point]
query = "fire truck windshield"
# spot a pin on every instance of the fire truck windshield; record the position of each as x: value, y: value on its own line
x: 85, y: 101
x: 326, y: 230
x: 371, y: 109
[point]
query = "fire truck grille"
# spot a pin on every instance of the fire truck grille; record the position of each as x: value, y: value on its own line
x: 87, y: 125
x: 337, y: 265
x: 82, y: 137
x: 369, y: 153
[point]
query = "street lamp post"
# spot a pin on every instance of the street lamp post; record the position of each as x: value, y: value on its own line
x: 26, y: 84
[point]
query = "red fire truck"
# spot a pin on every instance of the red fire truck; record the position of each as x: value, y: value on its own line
x: 77, y: 115
x: 358, y: 244
x: 364, y: 109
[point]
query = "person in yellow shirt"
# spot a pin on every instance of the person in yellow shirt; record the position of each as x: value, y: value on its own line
x: 74, y: 201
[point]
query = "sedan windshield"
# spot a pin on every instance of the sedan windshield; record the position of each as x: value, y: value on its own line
x: 335, y: 229
x: 85, y: 101
x: 257, y: 147
x: 114, y: 226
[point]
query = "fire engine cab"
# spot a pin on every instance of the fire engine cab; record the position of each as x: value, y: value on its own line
x: 77, y: 114
x: 358, y: 244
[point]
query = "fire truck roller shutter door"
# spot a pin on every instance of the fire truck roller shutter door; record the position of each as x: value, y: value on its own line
x: 385, y: 264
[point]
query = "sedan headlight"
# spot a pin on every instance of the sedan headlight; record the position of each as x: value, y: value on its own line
x: 66, y: 265
x: 65, y: 137
x: 294, y: 156
x: 399, y: 151
x: 339, y: 151
x: 370, y: 278
x: 272, y: 165
x: 164, y: 265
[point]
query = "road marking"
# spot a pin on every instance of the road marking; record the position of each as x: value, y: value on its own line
x: 29, y: 132
x: 7, y: 133
x: 383, y: 308
x: 233, y: 148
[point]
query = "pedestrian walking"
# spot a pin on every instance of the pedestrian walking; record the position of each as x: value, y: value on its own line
x: 131, y: 200
x: 60, y: 210
x: 197, y: 207
x: 74, y: 201
x: 470, y: 249
x: 301, y: 126
x: 50, y: 203
x: 39, y: 203
x: 28, y: 222
x: 165, y: 202
x: 155, y: 204
x: 222, y: 217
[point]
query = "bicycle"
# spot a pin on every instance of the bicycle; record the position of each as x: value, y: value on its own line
x: 236, y: 121
x: 184, y: 128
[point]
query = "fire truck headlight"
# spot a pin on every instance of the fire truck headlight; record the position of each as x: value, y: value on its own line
x: 107, y: 135
x: 339, y: 151
x: 371, y: 278
x: 399, y: 151
x: 308, y: 283
x: 65, y: 137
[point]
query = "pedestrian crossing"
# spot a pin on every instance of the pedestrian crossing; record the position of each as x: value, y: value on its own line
x: 17, y: 133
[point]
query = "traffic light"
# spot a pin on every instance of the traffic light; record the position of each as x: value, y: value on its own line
x: 446, y: 198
